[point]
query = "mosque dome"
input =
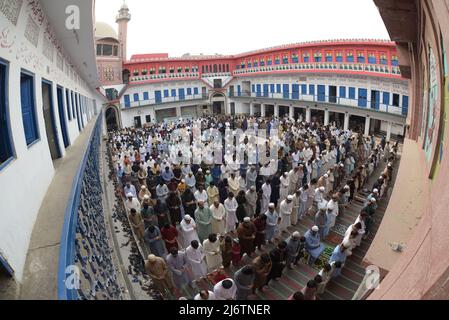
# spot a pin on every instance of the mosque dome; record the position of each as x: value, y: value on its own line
x: 104, y: 30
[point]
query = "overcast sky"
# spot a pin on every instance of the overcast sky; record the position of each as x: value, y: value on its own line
x: 177, y: 27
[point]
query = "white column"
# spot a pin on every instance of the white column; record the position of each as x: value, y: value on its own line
x: 367, y: 125
x: 262, y: 111
x: 291, y: 112
x: 308, y: 114
x: 346, y: 126
x: 326, y: 117
x: 389, y: 127
x: 178, y: 112
x: 276, y: 110
x: 251, y: 109
x: 228, y: 108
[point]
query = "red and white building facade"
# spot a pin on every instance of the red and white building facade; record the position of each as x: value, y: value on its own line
x: 351, y: 82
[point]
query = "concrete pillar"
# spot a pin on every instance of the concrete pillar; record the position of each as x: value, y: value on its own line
x: 308, y: 114
x: 347, y: 116
x: 389, y: 127
x: 291, y: 112
x: 326, y: 117
x: 178, y: 112
x: 251, y: 109
x: 276, y: 110
x: 228, y: 108
x: 367, y: 125
x: 262, y: 110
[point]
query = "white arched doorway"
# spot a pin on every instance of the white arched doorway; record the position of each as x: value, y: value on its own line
x: 112, y: 118
x: 218, y: 102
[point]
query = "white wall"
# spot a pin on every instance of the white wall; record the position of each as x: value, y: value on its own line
x: 161, y: 86
x: 25, y: 180
x: 370, y: 83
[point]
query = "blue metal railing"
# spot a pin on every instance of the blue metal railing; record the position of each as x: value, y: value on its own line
x: 85, y: 269
x: 351, y: 102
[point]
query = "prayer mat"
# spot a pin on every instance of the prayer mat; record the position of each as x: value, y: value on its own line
x: 334, y: 238
x: 216, y: 276
x: 322, y: 259
x: 339, y: 229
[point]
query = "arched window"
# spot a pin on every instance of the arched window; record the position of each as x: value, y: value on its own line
x: 219, y: 68
x: 215, y: 68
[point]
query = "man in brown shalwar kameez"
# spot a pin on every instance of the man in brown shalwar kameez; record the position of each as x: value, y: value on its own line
x: 137, y: 224
x: 246, y: 233
x: 157, y: 269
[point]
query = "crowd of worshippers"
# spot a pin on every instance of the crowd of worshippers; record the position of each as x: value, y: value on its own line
x: 194, y: 219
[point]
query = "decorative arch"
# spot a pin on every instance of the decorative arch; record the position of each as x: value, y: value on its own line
x: 112, y: 118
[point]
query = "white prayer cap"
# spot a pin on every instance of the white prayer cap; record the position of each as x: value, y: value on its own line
x: 373, y: 200
x: 347, y: 187
x: 296, y: 234
x: 271, y: 205
x: 129, y: 195
x: 208, y: 171
x: 144, y: 188
x: 390, y: 164
x: 187, y: 217
x: 290, y: 198
x: 342, y: 165
x: 247, y: 219
x: 315, y: 229
x: 200, y: 170
x: 253, y: 188
x: 375, y: 191
x: 326, y: 176
x: 146, y: 197
x: 183, y: 181
x: 322, y: 189
x: 151, y: 258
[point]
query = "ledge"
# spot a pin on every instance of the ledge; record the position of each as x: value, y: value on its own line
x: 403, y: 213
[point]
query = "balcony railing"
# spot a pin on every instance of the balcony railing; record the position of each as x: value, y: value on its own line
x: 157, y: 101
x: 216, y: 74
x: 165, y: 76
x: 86, y: 270
x: 335, y: 66
x: 358, y: 103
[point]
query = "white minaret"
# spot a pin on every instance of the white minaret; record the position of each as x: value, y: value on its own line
x: 122, y: 20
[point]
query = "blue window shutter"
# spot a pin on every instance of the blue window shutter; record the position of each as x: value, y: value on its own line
x: 136, y: 97
x: 386, y: 98
x: 303, y: 89
x: 362, y: 97
x: 5, y: 138
x: 272, y: 88
x: 312, y: 89
x: 253, y: 88
x: 146, y: 96
x: 195, y: 91
x: 28, y: 112
x: 166, y: 93
x: 321, y: 92
x: 127, y: 101
x: 158, y: 96
x: 181, y: 94
x: 173, y: 92
x: 295, y: 91
x: 278, y: 88
x: 189, y: 91
x: 239, y: 90
x: 351, y: 93
x: 67, y: 99
x: 404, y: 105
x: 286, y: 91
x: 342, y: 92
